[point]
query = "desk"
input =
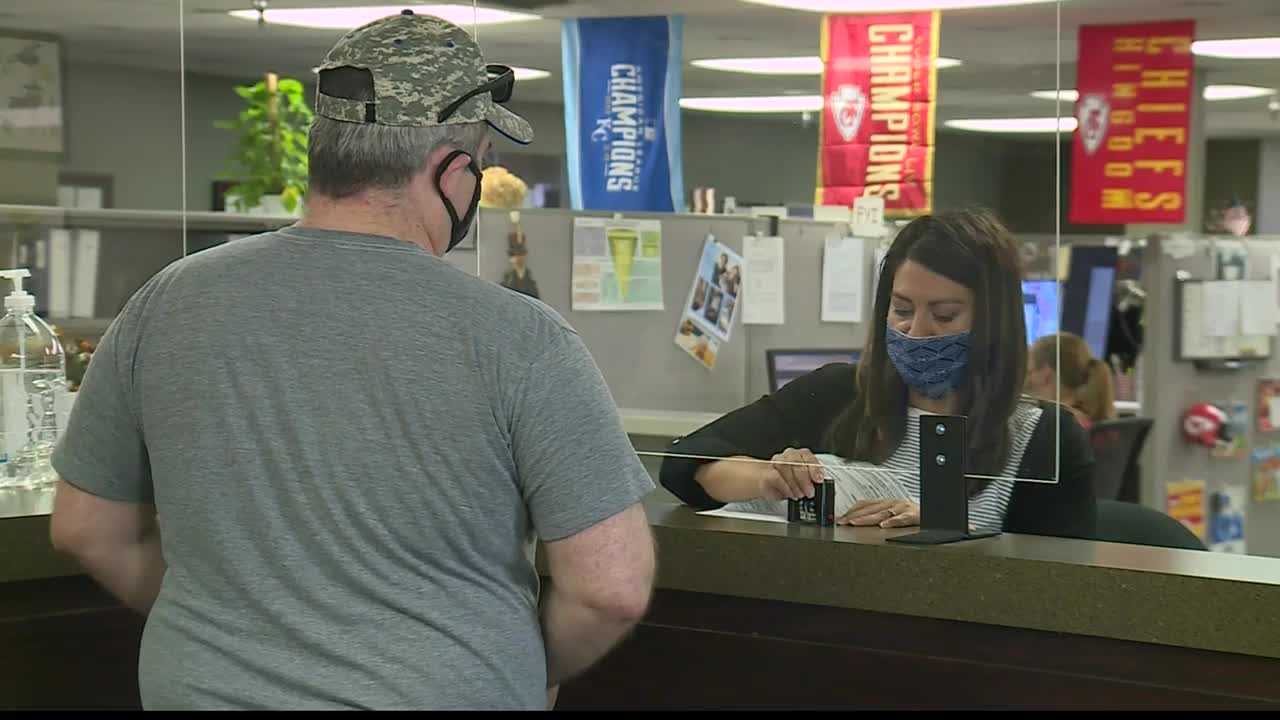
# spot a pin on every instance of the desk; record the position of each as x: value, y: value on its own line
x: 762, y: 614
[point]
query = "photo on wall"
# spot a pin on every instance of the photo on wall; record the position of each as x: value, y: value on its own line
x: 719, y: 280
x: 1268, y: 419
x: 714, y: 299
x: 694, y: 340
x: 31, y: 94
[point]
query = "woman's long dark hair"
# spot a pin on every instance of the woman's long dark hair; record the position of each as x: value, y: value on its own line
x: 972, y: 248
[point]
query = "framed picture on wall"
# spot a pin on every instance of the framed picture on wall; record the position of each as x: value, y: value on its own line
x: 31, y: 94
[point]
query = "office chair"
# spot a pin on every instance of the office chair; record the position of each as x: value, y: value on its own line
x: 1116, y: 444
x: 1123, y: 522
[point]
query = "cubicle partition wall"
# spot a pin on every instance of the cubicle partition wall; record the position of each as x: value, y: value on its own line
x: 1172, y: 385
x: 635, y: 350
x: 804, y: 241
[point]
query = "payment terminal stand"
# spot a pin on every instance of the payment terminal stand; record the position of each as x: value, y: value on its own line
x: 944, y: 489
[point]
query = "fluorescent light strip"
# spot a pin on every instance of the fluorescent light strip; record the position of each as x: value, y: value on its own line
x: 1069, y: 96
x: 524, y: 73
x: 1212, y: 93
x: 1014, y: 125
x: 802, y: 65
x: 346, y: 18
x: 860, y: 6
x: 758, y: 104
x: 1262, y: 48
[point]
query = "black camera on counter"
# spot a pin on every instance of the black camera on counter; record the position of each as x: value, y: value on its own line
x: 818, y: 510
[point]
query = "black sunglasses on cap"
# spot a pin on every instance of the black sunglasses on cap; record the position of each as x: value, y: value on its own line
x: 500, y: 86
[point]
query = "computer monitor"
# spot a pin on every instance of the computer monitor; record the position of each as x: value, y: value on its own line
x: 1097, y: 319
x: 1040, y: 308
x: 1086, y: 295
x: 787, y: 365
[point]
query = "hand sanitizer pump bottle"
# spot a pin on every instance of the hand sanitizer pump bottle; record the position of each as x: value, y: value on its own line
x: 33, y: 371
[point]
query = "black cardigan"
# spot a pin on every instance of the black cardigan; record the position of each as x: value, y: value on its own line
x: 800, y: 414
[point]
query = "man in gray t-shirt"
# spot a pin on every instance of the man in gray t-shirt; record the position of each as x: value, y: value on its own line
x: 319, y: 458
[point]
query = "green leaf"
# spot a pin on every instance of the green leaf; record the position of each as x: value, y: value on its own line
x: 269, y: 154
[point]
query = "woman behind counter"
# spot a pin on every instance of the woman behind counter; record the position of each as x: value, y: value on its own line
x: 948, y: 337
x: 1086, y: 387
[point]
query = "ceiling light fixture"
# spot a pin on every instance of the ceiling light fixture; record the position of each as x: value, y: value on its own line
x: 1212, y: 93
x: 757, y: 104
x: 860, y: 6
x: 801, y: 65
x: 346, y: 18
x: 1014, y: 125
x: 1067, y: 95
x: 1262, y: 48
x: 524, y: 73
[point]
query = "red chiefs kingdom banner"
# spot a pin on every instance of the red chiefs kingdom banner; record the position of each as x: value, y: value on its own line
x: 879, y: 86
x: 1129, y: 160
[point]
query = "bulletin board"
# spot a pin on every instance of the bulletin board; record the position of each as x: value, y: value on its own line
x: 1192, y: 343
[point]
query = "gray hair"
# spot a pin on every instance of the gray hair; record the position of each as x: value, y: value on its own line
x: 346, y: 158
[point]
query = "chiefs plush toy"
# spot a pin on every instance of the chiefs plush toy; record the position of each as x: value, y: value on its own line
x: 1205, y: 424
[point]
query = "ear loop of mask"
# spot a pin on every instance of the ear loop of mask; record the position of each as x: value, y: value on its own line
x: 458, y: 227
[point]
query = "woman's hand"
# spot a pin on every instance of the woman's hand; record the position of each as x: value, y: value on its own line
x: 552, y: 693
x: 790, y: 475
x: 885, y: 513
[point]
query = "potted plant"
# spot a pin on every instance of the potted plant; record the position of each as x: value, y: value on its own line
x: 269, y: 163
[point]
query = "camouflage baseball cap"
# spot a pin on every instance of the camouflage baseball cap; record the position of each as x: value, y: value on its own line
x: 419, y: 65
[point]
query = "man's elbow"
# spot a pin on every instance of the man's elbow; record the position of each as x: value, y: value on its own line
x: 629, y: 608
x: 629, y: 601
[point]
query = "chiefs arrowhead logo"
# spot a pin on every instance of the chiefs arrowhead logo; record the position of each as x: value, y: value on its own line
x: 1093, y: 116
x: 848, y: 105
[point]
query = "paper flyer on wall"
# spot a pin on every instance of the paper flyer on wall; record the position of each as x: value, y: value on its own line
x: 842, y: 280
x: 1226, y: 520
x: 617, y: 264
x: 876, y: 266
x: 1184, y: 502
x: 764, y: 274
x: 1266, y: 474
x: 714, y: 299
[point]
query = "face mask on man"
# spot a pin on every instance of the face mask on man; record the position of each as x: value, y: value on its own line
x: 932, y: 366
x: 459, y: 227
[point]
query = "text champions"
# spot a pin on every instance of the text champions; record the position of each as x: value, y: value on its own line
x: 625, y: 122
x: 891, y: 50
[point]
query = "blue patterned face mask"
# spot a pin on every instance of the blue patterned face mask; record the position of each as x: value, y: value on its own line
x: 932, y: 366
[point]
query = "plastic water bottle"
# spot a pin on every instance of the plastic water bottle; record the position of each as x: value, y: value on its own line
x: 33, y: 372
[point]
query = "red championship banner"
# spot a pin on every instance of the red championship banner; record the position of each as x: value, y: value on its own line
x: 880, y: 87
x: 1129, y: 159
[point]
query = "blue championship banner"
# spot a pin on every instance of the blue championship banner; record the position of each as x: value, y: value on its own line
x: 622, y: 113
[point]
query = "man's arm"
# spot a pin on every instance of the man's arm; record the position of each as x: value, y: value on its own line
x: 601, y: 581
x: 118, y: 543
x: 582, y: 484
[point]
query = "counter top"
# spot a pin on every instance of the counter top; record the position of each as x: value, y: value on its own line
x: 24, y: 538
x: 101, y: 219
x: 1182, y: 598
x: 663, y: 423
x: 21, y: 502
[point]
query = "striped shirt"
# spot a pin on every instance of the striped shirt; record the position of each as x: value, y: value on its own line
x: 987, y: 508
